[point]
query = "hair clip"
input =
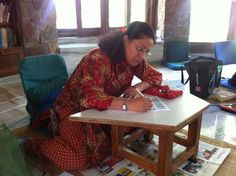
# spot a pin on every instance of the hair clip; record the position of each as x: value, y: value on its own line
x: 123, y: 29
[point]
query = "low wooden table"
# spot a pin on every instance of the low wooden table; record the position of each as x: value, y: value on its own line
x: 184, y: 110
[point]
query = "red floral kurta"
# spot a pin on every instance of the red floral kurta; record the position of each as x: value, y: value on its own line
x: 92, y: 85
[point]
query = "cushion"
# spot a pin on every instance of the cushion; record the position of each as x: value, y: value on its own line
x: 176, y: 65
x: 45, y: 91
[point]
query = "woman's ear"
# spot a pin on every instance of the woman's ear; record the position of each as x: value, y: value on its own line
x: 125, y: 38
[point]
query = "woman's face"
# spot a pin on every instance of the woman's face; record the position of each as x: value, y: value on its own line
x: 136, y: 50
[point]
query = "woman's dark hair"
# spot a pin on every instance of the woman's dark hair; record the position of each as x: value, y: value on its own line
x: 112, y: 43
x: 139, y: 30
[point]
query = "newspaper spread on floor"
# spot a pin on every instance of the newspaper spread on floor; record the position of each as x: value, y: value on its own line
x: 209, y: 158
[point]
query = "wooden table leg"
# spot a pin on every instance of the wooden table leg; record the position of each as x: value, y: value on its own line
x: 194, y: 134
x: 116, y: 138
x: 165, y: 148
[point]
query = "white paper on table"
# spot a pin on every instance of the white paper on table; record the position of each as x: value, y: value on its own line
x: 158, y: 105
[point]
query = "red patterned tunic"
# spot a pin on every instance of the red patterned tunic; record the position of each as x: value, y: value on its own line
x: 93, y: 84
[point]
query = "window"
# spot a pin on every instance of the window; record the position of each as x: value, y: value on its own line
x: 117, y: 20
x: 138, y: 10
x: 94, y: 17
x: 66, y: 14
x: 209, y: 20
x: 91, y: 17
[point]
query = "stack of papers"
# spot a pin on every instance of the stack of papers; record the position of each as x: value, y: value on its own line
x: 222, y: 95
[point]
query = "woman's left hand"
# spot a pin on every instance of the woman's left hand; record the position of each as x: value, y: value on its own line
x: 132, y: 92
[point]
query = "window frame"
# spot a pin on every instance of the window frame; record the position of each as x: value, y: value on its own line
x: 151, y: 17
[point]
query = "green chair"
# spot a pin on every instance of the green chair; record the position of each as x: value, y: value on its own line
x: 176, y: 54
x: 42, y: 77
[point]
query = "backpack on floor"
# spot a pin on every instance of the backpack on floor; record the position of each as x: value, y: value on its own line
x: 204, y: 75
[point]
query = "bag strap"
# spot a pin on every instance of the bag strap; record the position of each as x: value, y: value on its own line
x: 216, y: 72
x: 217, y: 64
x: 182, y: 76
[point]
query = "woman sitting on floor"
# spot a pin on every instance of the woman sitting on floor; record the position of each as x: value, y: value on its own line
x: 98, y: 82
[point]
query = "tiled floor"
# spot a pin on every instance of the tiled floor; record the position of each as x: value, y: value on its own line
x: 12, y: 102
x: 216, y: 123
x: 219, y: 124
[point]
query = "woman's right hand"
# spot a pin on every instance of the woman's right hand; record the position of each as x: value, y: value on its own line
x: 140, y: 104
x: 132, y: 92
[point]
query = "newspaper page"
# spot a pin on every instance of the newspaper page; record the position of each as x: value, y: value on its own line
x: 209, y: 158
x: 116, y: 167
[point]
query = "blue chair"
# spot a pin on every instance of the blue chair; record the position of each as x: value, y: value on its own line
x: 42, y: 77
x: 176, y: 54
x: 225, y: 51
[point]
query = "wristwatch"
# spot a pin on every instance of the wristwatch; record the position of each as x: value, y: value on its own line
x: 124, y: 105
